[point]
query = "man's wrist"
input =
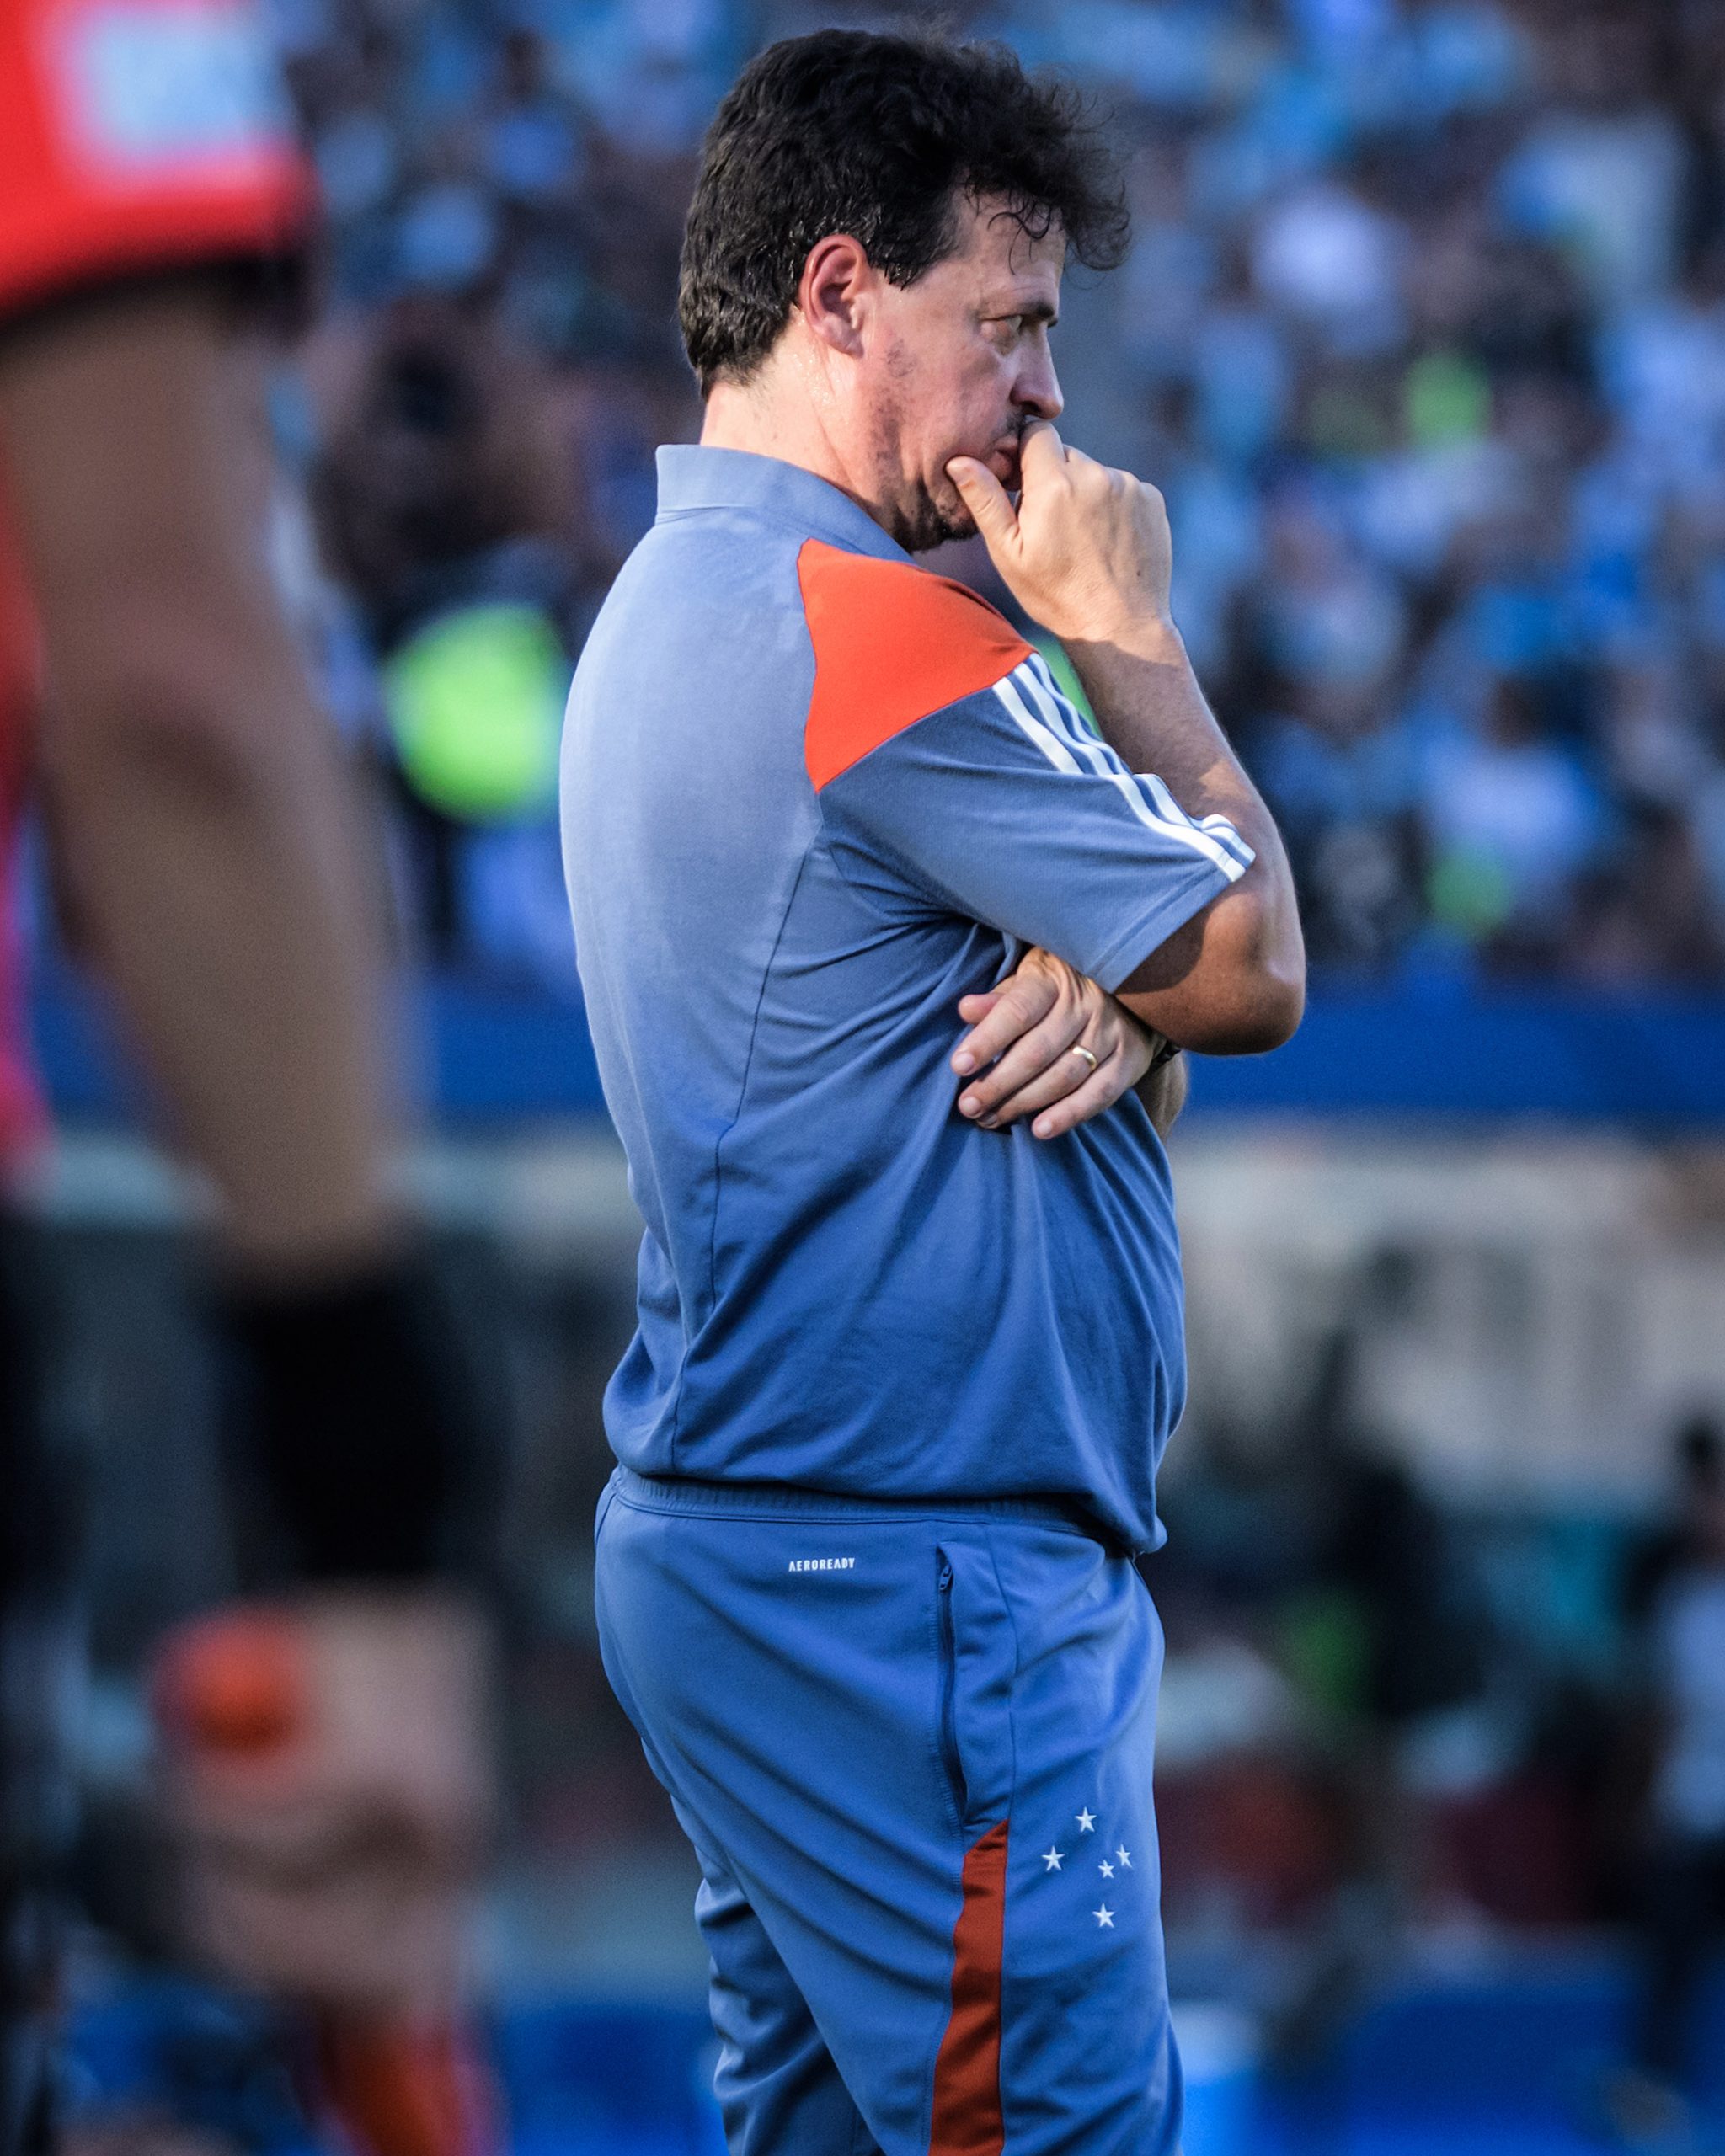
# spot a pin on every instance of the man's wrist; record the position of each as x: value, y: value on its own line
x: 1151, y: 638
x: 1112, y: 668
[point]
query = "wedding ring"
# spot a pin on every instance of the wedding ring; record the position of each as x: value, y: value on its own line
x: 1078, y: 1049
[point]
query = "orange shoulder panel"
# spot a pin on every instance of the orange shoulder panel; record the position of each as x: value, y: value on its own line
x: 892, y: 644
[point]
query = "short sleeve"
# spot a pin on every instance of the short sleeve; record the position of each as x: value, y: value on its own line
x: 996, y: 800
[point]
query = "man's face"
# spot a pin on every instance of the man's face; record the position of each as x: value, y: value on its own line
x: 959, y: 368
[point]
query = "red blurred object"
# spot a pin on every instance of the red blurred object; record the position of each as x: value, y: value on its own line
x: 234, y: 1684
x: 407, y: 2092
x: 1520, y: 1851
x: 1267, y: 1831
x: 237, y: 1683
x: 82, y: 208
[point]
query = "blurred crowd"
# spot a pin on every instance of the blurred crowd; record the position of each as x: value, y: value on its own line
x: 1423, y: 335
x: 1393, y: 1732
x: 1425, y: 317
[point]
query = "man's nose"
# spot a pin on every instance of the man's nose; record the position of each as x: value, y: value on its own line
x: 1038, y: 391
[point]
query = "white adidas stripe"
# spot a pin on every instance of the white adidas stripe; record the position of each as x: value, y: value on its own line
x: 1062, y: 715
x: 1047, y: 745
x: 1047, y: 720
x: 1065, y: 715
x: 1092, y: 753
x: 1218, y: 827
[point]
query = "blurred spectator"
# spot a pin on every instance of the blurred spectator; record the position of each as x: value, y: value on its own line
x: 1333, y: 265
x: 440, y: 496
x: 1513, y: 819
x: 1681, y: 1588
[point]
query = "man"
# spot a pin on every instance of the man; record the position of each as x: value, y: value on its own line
x: 202, y: 833
x: 906, y: 1363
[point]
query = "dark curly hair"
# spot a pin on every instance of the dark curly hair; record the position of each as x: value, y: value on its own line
x: 880, y: 137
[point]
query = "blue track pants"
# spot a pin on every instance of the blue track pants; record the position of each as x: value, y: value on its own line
x: 912, y: 1749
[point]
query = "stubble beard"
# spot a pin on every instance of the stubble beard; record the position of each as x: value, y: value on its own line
x: 928, y: 519
x: 925, y: 524
x: 920, y: 518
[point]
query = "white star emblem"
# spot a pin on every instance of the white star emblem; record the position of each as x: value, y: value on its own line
x: 1106, y: 1869
x: 1086, y: 1822
x: 1125, y: 1857
x: 1104, y: 1917
x: 1051, y: 1858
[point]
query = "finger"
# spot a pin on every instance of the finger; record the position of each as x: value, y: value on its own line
x: 1043, y: 1048
x: 989, y: 504
x: 1014, y: 1011
x: 1126, y: 1048
x: 974, y: 1009
x: 1067, y: 1079
x: 1040, y: 449
x: 1094, y: 1097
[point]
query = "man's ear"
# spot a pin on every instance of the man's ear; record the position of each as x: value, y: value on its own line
x: 835, y: 294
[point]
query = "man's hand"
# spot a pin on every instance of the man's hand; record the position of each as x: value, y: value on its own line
x: 1086, y: 552
x: 327, y: 1779
x: 1022, y: 1038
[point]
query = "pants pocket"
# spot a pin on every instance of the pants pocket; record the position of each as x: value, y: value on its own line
x: 979, y: 1662
x: 946, y: 1634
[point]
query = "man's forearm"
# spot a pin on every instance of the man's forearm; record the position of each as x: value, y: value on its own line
x: 216, y: 897
x: 206, y: 835
x: 1153, y: 715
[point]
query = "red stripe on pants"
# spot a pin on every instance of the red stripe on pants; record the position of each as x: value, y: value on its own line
x: 966, y: 2074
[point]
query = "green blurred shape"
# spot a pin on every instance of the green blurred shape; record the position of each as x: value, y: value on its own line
x: 475, y: 701
x: 1470, y: 891
x: 1323, y: 1645
x: 1066, y: 678
x: 1445, y: 398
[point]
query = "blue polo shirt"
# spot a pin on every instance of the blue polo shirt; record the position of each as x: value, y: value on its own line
x: 812, y: 795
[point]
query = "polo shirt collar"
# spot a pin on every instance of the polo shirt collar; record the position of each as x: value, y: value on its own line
x: 705, y: 478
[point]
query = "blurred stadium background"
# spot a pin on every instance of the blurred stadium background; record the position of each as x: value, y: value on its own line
x: 1423, y: 336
